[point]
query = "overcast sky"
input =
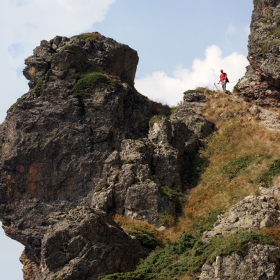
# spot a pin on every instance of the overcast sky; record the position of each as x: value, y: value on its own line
x: 182, y: 44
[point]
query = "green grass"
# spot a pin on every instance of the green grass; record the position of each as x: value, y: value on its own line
x: 235, y: 166
x: 87, y: 36
x: 235, y: 88
x: 87, y: 83
x: 265, y: 46
x: 205, y: 223
x: 266, y: 179
x: 155, y: 119
x: 102, y: 185
x: 276, y: 31
x: 38, y: 86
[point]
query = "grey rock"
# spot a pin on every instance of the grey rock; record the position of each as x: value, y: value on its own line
x: 85, y: 245
x: 61, y: 152
x: 252, y: 213
x: 262, y: 79
x: 260, y: 262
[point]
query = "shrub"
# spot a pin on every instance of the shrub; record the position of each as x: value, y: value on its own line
x: 38, y: 86
x: 146, y: 237
x: 88, y: 36
x: 235, y: 88
x: 102, y: 185
x: 205, y: 223
x: 167, y: 220
x: 266, y: 178
x: 188, y: 254
x: 87, y: 82
x: 234, y: 167
x: 155, y: 119
x: 174, y: 108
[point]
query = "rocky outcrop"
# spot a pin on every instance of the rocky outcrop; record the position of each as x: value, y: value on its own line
x: 261, y: 83
x: 80, y: 145
x: 252, y: 213
x: 260, y: 262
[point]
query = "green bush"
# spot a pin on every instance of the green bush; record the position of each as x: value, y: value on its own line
x: 174, y: 196
x: 87, y: 82
x: 87, y: 36
x: 188, y: 254
x: 155, y: 119
x: 266, y: 178
x: 38, y: 86
x: 171, y: 194
x: 234, y: 167
x: 102, y: 185
x: 146, y: 237
x: 235, y: 88
x: 174, y: 108
x: 206, y: 222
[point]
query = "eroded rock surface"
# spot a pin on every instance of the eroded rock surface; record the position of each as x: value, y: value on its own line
x: 252, y: 213
x: 260, y: 262
x: 80, y: 142
x: 261, y: 83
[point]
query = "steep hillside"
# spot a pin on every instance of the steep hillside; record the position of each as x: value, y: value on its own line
x: 82, y: 146
x: 231, y: 217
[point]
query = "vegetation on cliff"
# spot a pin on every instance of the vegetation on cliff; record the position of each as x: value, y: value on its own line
x: 238, y: 158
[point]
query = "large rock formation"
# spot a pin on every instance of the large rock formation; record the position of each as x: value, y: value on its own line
x: 79, y: 146
x: 260, y: 261
x: 261, y: 83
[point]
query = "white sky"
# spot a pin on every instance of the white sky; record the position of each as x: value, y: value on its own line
x: 181, y: 44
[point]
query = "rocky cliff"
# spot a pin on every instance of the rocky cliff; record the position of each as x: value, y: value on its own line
x: 83, y: 144
x: 261, y: 83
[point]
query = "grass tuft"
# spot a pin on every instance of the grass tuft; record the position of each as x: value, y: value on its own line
x: 87, y: 82
x: 88, y: 36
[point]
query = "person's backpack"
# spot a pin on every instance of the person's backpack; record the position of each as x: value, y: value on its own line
x: 227, y: 81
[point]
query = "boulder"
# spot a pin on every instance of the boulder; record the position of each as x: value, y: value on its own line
x: 260, y: 262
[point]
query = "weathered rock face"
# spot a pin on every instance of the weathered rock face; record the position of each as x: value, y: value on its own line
x: 78, y: 143
x: 261, y: 83
x: 252, y: 213
x: 260, y: 262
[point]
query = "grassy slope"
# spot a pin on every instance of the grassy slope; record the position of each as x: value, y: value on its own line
x: 239, y: 157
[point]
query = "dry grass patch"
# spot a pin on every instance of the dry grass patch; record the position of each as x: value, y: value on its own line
x: 229, y: 168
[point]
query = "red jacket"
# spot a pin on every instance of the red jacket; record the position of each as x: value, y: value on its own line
x: 223, y: 77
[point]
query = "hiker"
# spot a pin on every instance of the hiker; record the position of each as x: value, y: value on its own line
x: 223, y: 77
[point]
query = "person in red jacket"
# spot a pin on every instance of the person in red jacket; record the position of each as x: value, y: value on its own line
x: 223, y: 80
